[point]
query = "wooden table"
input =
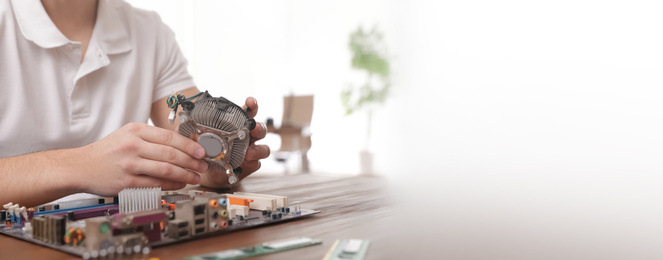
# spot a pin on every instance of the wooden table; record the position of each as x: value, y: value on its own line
x: 350, y: 208
x: 448, y: 216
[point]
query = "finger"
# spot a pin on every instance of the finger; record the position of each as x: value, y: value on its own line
x: 252, y: 103
x: 143, y: 181
x: 166, y: 171
x: 164, y: 153
x: 218, y: 177
x: 259, y: 132
x: 171, y: 185
x: 167, y: 137
x: 257, y: 152
x: 249, y: 167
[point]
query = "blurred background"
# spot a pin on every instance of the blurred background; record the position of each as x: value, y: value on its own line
x: 563, y: 87
x: 530, y: 129
x: 272, y: 49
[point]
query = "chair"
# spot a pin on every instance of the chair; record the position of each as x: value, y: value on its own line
x: 294, y: 129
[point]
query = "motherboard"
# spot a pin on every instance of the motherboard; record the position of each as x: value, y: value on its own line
x: 139, y: 219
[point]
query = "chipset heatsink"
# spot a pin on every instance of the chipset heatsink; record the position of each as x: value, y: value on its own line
x: 139, y: 199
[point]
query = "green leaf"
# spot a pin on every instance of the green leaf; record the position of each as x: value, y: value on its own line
x: 368, y: 54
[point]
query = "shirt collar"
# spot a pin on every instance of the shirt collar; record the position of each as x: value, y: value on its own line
x: 36, y: 26
x: 109, y: 28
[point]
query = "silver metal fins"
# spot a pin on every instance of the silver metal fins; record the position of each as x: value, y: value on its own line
x: 224, y: 128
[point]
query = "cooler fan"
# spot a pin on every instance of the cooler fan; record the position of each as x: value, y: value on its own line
x: 217, y: 124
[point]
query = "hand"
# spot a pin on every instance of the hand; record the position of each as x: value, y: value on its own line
x: 254, y: 153
x: 139, y: 155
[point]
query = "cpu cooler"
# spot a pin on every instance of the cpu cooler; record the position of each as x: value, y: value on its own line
x: 219, y: 126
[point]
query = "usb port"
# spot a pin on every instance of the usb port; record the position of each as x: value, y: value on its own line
x: 199, y: 210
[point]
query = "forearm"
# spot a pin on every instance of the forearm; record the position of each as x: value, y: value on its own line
x: 41, y: 177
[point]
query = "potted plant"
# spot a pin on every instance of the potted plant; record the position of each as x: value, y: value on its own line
x: 369, y: 55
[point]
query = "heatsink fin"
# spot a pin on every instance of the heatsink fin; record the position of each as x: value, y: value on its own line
x: 139, y: 199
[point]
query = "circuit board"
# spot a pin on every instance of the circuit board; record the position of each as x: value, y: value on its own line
x: 259, y: 249
x: 347, y: 249
x: 140, y: 219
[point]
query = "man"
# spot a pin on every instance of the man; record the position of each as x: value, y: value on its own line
x: 80, y: 79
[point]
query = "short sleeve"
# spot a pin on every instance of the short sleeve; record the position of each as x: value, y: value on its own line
x: 172, y: 75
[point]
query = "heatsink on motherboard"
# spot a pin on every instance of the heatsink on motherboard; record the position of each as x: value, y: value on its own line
x: 139, y: 199
x: 100, y: 231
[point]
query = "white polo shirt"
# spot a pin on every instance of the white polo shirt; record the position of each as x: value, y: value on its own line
x: 52, y: 100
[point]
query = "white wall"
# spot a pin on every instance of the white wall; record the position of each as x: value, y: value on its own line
x: 526, y: 87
